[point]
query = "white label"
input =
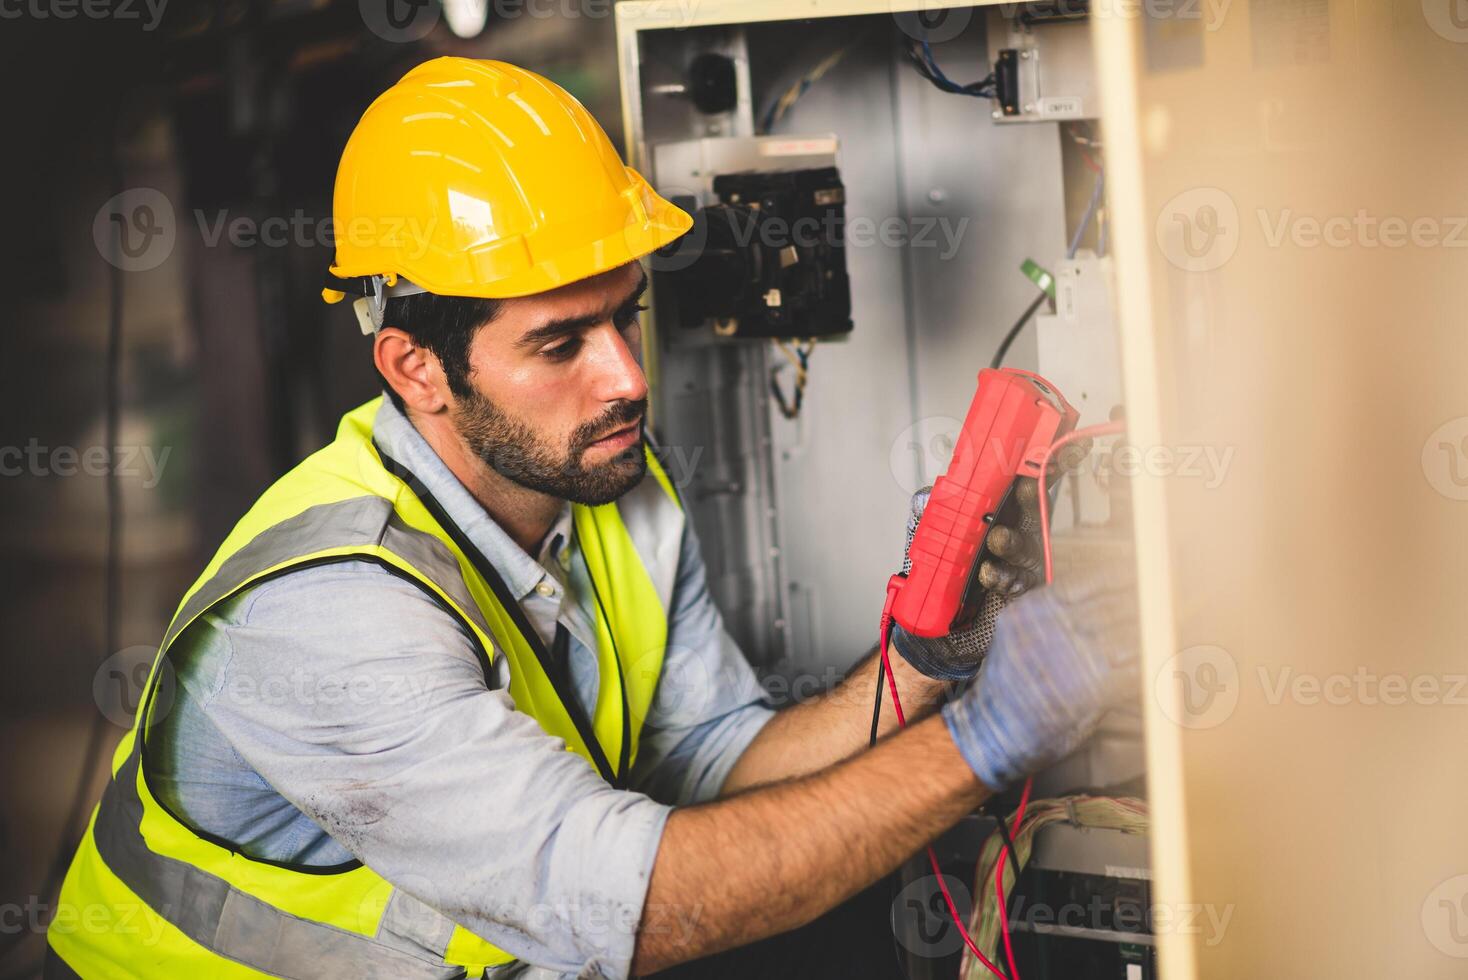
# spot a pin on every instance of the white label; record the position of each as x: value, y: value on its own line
x: 816, y: 146
x: 1119, y: 871
x: 1134, y: 971
x: 1068, y: 107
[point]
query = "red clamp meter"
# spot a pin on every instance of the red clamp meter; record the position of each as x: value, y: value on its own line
x: 1012, y: 422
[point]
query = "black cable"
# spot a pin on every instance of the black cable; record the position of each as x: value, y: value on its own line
x: 1008, y: 842
x: 877, y: 704
x: 920, y: 54
x: 1015, y: 330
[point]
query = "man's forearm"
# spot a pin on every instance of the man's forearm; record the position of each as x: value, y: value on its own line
x: 817, y: 733
x: 775, y: 857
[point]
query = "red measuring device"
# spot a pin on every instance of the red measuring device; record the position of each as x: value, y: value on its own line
x: 1014, y: 419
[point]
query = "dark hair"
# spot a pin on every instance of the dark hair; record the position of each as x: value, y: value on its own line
x: 445, y: 325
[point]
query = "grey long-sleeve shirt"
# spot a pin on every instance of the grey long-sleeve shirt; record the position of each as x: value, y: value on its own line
x: 337, y: 712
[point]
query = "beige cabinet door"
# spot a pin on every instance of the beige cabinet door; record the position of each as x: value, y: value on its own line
x: 1289, y: 213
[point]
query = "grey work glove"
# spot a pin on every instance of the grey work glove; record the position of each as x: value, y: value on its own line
x: 1062, y: 656
x: 1017, y: 565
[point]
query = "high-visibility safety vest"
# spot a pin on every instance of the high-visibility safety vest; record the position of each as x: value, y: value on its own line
x: 146, y: 897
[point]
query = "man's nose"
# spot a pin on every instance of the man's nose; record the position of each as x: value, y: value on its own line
x: 619, y: 376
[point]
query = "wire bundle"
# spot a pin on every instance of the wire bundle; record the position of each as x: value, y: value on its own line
x: 1127, y: 815
x: 799, y: 357
x: 791, y: 95
x: 920, y: 53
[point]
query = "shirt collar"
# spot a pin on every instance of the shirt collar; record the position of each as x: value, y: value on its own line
x: 400, y: 440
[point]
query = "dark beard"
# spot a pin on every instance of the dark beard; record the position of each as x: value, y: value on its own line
x: 510, y: 448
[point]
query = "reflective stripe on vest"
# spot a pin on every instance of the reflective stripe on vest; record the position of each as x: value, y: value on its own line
x: 160, y: 900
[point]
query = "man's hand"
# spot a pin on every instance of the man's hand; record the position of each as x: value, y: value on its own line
x: 1061, y: 657
x: 1016, y: 564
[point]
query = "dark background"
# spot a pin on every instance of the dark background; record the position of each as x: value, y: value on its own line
x: 228, y: 360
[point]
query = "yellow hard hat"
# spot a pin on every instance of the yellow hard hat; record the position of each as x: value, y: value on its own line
x: 479, y: 178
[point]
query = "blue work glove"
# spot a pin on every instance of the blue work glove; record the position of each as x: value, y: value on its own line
x: 1062, y: 656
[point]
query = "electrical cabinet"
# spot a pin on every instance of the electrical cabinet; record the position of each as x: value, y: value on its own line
x: 944, y: 195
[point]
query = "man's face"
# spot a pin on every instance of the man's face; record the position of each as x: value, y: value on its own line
x: 559, y: 394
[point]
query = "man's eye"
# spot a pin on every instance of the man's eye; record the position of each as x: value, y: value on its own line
x: 563, y: 350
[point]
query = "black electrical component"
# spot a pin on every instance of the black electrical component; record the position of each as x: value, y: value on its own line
x: 769, y: 260
x: 1006, y: 81
x: 712, y: 84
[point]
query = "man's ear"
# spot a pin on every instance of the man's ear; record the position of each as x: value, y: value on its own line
x: 414, y: 372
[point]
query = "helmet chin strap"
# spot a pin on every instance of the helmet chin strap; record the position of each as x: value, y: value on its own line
x: 371, y: 307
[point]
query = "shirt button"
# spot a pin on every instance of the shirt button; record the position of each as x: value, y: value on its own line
x: 546, y: 589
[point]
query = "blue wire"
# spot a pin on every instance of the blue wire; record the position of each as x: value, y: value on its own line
x: 1075, y: 241
x: 943, y: 81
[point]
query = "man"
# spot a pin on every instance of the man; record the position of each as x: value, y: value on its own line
x: 352, y: 758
